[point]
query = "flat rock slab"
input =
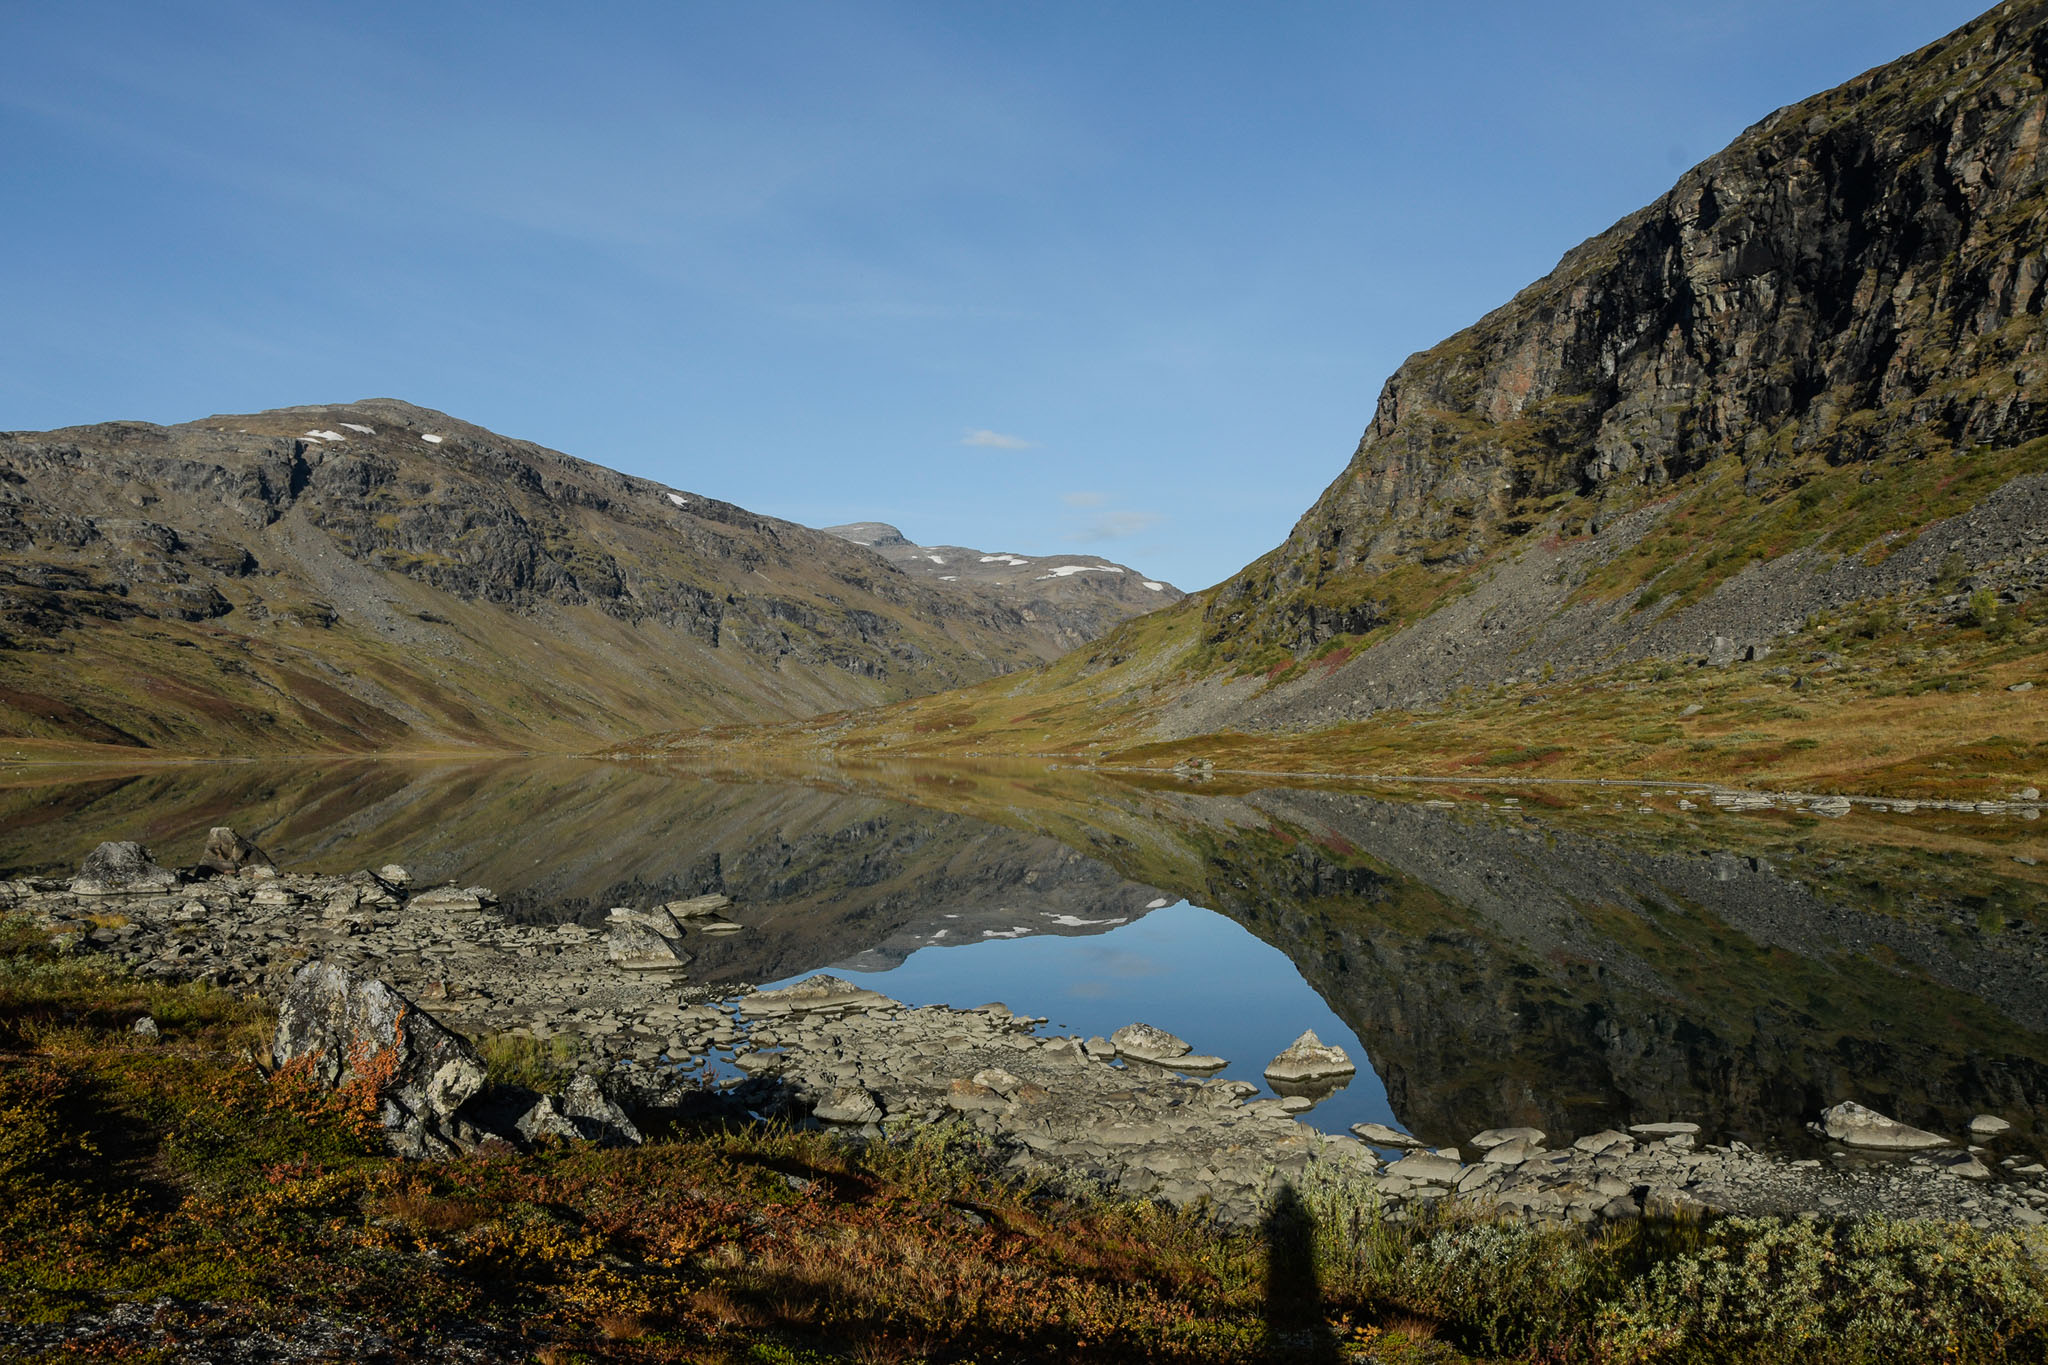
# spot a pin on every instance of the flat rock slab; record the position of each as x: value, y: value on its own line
x: 1853, y: 1125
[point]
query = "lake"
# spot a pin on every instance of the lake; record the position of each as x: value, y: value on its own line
x: 1571, y: 957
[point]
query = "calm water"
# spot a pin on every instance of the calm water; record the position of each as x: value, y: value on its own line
x: 1567, y: 957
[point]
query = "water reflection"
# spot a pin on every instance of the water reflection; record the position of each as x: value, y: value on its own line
x: 1570, y: 965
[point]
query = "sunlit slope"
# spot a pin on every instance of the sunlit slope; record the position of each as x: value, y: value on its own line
x: 1774, y: 447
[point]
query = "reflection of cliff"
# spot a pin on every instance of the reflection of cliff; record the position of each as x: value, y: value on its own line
x: 1572, y: 970
x: 1502, y: 970
x: 819, y: 877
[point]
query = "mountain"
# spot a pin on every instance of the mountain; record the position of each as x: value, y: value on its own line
x: 378, y: 576
x: 1781, y: 436
x: 1066, y: 600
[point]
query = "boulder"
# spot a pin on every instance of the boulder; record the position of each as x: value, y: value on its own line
x: 822, y: 993
x: 453, y: 898
x: 1148, y: 1044
x: 1380, y: 1135
x: 355, y: 1028
x: 1853, y: 1125
x: 852, y: 1104
x: 644, y: 941
x: 1309, y: 1058
x: 1427, y: 1168
x: 1664, y: 1130
x: 698, y: 907
x: 1494, y: 1137
x: 124, y: 868
x: 1988, y: 1125
x: 391, y: 874
x: 227, y: 852
x: 595, y: 1115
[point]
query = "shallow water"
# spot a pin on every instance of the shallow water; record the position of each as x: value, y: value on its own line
x: 1568, y: 958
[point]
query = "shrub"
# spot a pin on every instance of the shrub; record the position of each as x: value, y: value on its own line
x: 515, y: 1059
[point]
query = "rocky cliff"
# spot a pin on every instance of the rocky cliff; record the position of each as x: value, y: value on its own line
x: 1064, y: 600
x: 1820, y: 341
x: 379, y: 576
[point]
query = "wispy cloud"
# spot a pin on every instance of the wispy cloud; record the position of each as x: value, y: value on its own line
x: 995, y: 440
x: 1084, y: 499
x: 1114, y: 526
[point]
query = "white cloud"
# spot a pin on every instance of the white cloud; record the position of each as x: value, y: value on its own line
x: 994, y: 440
x: 1115, y: 526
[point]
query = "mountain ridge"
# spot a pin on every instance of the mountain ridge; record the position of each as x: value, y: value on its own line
x: 377, y: 576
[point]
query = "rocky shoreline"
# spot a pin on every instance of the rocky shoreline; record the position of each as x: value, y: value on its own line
x: 367, y: 963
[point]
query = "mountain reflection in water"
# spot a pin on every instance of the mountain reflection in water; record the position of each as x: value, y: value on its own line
x: 1569, y: 962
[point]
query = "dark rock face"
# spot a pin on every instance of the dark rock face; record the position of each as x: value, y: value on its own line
x: 352, y: 1027
x: 121, y: 868
x: 1857, y: 282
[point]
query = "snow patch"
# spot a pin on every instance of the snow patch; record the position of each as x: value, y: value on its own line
x: 1004, y: 559
x: 1159, y: 904
x: 328, y: 435
x: 430, y: 438
x: 935, y: 559
x: 1018, y: 931
x: 1076, y: 922
x: 358, y: 426
x: 679, y: 500
x: 1068, y: 570
x: 1155, y: 587
x: 949, y: 578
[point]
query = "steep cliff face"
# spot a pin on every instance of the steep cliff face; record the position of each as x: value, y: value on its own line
x: 377, y: 575
x: 1854, y: 285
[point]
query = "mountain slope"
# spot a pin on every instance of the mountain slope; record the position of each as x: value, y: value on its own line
x: 1066, y: 600
x: 378, y: 576
x: 1791, y: 421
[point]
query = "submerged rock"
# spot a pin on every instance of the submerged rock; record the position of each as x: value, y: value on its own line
x: 122, y: 868
x: 1855, y: 1126
x: 1309, y: 1058
x: 348, y: 1028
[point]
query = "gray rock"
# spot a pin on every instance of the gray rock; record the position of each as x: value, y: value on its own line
x: 1853, y: 1125
x: 698, y: 907
x: 1513, y: 1152
x: 1986, y: 1125
x: 145, y: 1027
x: 823, y: 993
x: 851, y: 1104
x: 228, y: 852
x: 1382, y: 1136
x: 1148, y: 1044
x: 1427, y: 1168
x: 1494, y: 1137
x: 394, y: 875
x: 346, y: 1027
x: 452, y: 898
x: 1309, y: 1058
x: 644, y: 941
x: 546, y: 1120
x: 596, y: 1117
x: 1664, y: 1130
x: 120, y: 869
x: 1595, y: 1143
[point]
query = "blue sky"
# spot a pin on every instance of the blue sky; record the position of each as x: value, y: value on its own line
x: 1115, y: 278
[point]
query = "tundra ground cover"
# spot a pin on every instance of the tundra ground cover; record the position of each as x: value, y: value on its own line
x: 175, y: 1170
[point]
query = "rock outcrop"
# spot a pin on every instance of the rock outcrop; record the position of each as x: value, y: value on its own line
x: 347, y: 1028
